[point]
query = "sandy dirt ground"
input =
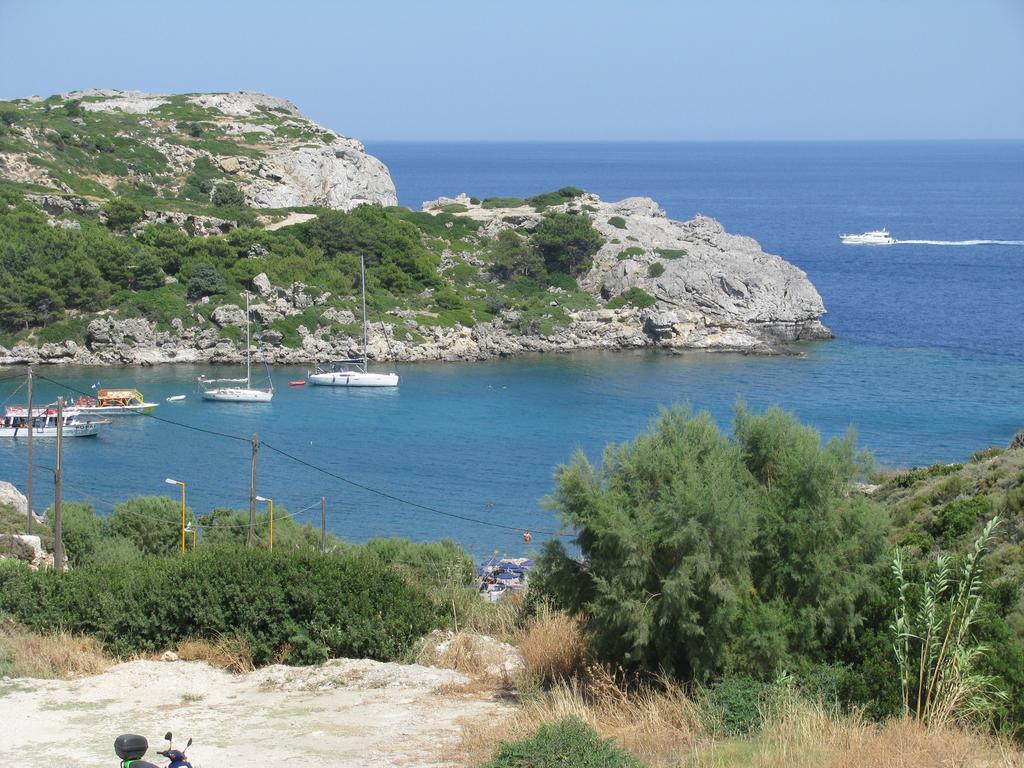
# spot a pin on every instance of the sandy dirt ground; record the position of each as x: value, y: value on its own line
x: 342, y: 713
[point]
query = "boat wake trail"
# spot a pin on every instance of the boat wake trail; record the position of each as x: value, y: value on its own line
x: 959, y: 242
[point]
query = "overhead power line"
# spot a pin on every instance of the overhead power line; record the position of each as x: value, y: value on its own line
x: 341, y: 478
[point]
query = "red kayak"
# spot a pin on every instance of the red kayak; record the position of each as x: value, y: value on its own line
x: 297, y: 383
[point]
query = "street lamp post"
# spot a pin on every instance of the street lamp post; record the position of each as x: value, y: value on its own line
x: 169, y: 481
x: 270, y: 504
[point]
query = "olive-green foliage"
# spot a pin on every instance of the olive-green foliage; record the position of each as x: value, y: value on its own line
x: 633, y: 297
x: 513, y: 256
x: 671, y: 253
x: 121, y: 212
x: 618, y: 222
x: 657, y: 269
x: 568, y: 743
x: 393, y: 248
x: 231, y: 526
x: 547, y: 199
x: 708, y: 555
x: 151, y: 523
x: 205, y: 280
x: 297, y: 605
x: 567, y: 242
x: 82, y: 530
x: 11, y: 521
x: 443, y: 563
x: 228, y: 195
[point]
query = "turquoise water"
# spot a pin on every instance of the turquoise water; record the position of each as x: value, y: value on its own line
x: 927, y: 367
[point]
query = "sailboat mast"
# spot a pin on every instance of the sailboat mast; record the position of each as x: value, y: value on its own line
x: 362, y: 272
x: 248, y: 373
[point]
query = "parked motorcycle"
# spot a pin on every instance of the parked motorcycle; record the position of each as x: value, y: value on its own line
x: 131, y: 748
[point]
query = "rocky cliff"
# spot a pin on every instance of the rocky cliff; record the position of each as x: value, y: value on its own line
x: 182, y: 146
x: 706, y: 289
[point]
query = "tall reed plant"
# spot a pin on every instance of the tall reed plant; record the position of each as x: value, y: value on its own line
x: 932, y: 638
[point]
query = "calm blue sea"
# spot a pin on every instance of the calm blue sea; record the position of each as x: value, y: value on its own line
x: 928, y: 364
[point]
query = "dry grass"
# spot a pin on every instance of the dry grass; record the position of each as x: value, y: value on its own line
x: 553, y: 647
x: 657, y: 725
x: 464, y: 652
x: 54, y: 655
x: 226, y: 652
x: 801, y: 734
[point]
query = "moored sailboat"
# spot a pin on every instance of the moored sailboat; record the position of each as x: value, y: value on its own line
x: 229, y: 390
x: 353, y: 371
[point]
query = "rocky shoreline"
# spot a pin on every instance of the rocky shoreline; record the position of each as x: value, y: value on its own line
x: 712, y: 291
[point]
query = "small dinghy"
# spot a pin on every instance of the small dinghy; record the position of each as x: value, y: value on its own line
x: 297, y: 383
x: 175, y: 398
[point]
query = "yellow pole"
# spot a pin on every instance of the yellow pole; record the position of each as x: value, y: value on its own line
x: 271, y: 503
x: 182, y: 517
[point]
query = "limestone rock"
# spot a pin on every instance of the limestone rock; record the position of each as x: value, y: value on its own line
x: 262, y: 285
x: 1018, y: 441
x: 229, y: 314
x: 28, y: 549
x: 11, y: 496
x: 339, y: 175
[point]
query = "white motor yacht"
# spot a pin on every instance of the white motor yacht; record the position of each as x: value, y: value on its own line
x: 874, y: 237
x: 15, y: 421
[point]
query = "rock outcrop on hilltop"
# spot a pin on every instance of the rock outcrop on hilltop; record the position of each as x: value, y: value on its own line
x: 263, y: 144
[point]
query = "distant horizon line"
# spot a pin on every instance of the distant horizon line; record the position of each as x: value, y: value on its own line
x: 1004, y: 140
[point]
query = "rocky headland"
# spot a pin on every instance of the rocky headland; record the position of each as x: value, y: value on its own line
x: 652, y: 282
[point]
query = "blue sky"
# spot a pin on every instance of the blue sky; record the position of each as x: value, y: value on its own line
x: 722, y: 69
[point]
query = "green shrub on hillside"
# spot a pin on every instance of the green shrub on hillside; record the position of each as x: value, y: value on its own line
x: 657, y: 269
x: 568, y: 743
x: 205, y: 280
x: 228, y: 195
x: 744, y: 556
x: 630, y: 253
x: 567, y: 242
x: 122, y: 212
x: 298, y: 605
x: 634, y: 297
x: 618, y: 222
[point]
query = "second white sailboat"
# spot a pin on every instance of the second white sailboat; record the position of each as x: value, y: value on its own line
x: 227, y: 390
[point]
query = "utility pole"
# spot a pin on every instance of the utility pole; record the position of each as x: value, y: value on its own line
x: 58, y: 541
x: 28, y: 521
x: 323, y: 523
x: 252, y: 491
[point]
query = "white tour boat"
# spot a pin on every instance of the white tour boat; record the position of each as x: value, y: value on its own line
x: 114, y: 402
x: 352, y: 372
x: 14, y: 422
x: 874, y: 237
x: 230, y: 390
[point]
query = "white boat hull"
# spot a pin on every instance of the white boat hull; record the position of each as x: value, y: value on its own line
x: 354, y: 379
x: 238, y: 395
x: 70, y: 430
x: 118, y: 410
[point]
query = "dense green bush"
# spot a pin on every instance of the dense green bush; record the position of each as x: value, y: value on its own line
x: 82, y: 530
x: 299, y: 605
x: 151, y: 523
x: 205, y: 280
x: 513, y: 256
x: 228, y: 195
x: 618, y: 222
x: 708, y: 555
x: 567, y: 242
x: 122, y: 212
x: 633, y: 297
x: 568, y: 743
x: 630, y: 253
x: 657, y: 269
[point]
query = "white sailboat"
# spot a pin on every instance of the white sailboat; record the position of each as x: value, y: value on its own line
x: 352, y: 372
x: 227, y: 390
